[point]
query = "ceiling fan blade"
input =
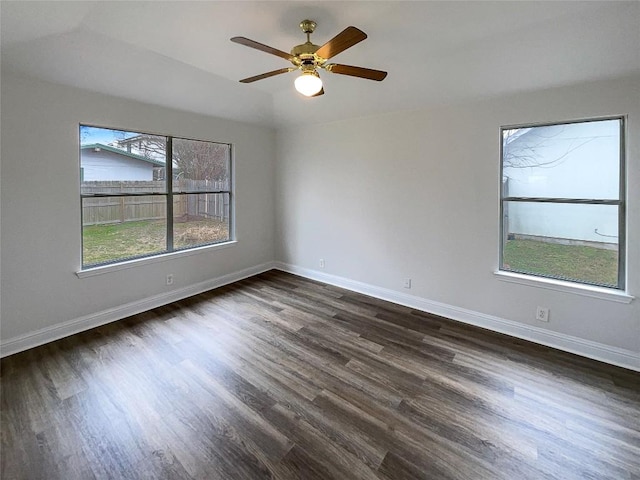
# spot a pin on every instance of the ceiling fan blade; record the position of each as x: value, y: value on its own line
x: 266, y: 75
x: 345, y: 39
x: 321, y: 92
x: 368, y: 73
x: 260, y: 46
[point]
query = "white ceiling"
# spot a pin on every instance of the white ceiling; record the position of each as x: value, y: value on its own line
x: 178, y: 53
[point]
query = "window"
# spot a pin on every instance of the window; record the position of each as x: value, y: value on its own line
x: 136, y: 204
x: 562, y: 201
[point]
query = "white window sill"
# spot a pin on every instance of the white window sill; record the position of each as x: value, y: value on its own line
x: 566, y: 287
x: 90, y: 272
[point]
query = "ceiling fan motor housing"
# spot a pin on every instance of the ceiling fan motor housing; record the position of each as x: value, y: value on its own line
x: 305, y: 50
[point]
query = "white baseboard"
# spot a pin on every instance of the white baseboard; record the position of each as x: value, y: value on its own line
x: 586, y: 348
x: 61, y: 330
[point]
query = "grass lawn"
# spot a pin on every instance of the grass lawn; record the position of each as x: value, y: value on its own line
x: 106, y: 243
x: 586, y: 264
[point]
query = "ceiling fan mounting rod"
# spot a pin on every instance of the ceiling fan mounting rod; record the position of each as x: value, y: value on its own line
x: 308, y: 27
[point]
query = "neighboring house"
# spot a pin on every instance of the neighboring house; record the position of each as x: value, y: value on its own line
x: 106, y: 163
x: 578, y: 160
x: 148, y: 146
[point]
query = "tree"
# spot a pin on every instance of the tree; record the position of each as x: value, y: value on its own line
x: 197, y: 160
x: 529, y: 154
x: 191, y: 159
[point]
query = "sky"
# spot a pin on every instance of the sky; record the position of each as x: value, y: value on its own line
x: 89, y: 135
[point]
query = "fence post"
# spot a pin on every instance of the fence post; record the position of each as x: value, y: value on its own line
x: 122, y: 210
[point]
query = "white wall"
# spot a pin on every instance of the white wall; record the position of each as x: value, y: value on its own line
x: 415, y: 195
x: 381, y: 199
x: 105, y: 166
x: 41, y: 206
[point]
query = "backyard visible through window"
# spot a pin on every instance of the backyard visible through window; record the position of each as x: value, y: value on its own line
x: 136, y: 204
x: 562, y: 201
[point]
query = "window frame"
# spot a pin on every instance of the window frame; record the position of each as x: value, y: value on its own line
x: 169, y: 195
x: 620, y: 203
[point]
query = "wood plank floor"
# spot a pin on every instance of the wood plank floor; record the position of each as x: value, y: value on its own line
x: 285, y: 378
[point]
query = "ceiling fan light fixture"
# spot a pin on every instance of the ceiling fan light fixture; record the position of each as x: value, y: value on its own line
x: 308, y: 84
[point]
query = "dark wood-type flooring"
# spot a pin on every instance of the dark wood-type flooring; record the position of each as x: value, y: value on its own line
x: 285, y: 378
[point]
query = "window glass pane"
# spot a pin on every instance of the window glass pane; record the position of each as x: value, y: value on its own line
x: 576, y: 160
x: 200, y: 166
x: 119, y: 162
x: 200, y: 219
x: 126, y: 191
x: 118, y: 228
x: 568, y: 241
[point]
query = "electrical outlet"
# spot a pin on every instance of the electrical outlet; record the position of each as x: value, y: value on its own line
x: 170, y: 279
x: 407, y: 283
x: 542, y: 314
x: 322, y: 263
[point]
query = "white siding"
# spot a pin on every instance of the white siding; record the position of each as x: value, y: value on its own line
x: 579, y: 160
x: 105, y: 165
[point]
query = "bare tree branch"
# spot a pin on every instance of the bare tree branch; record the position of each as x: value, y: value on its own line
x: 529, y: 155
x: 192, y: 159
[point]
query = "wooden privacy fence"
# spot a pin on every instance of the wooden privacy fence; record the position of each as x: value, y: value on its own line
x: 119, y: 208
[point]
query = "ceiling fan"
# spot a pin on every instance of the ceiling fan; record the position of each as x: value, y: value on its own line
x: 308, y: 58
